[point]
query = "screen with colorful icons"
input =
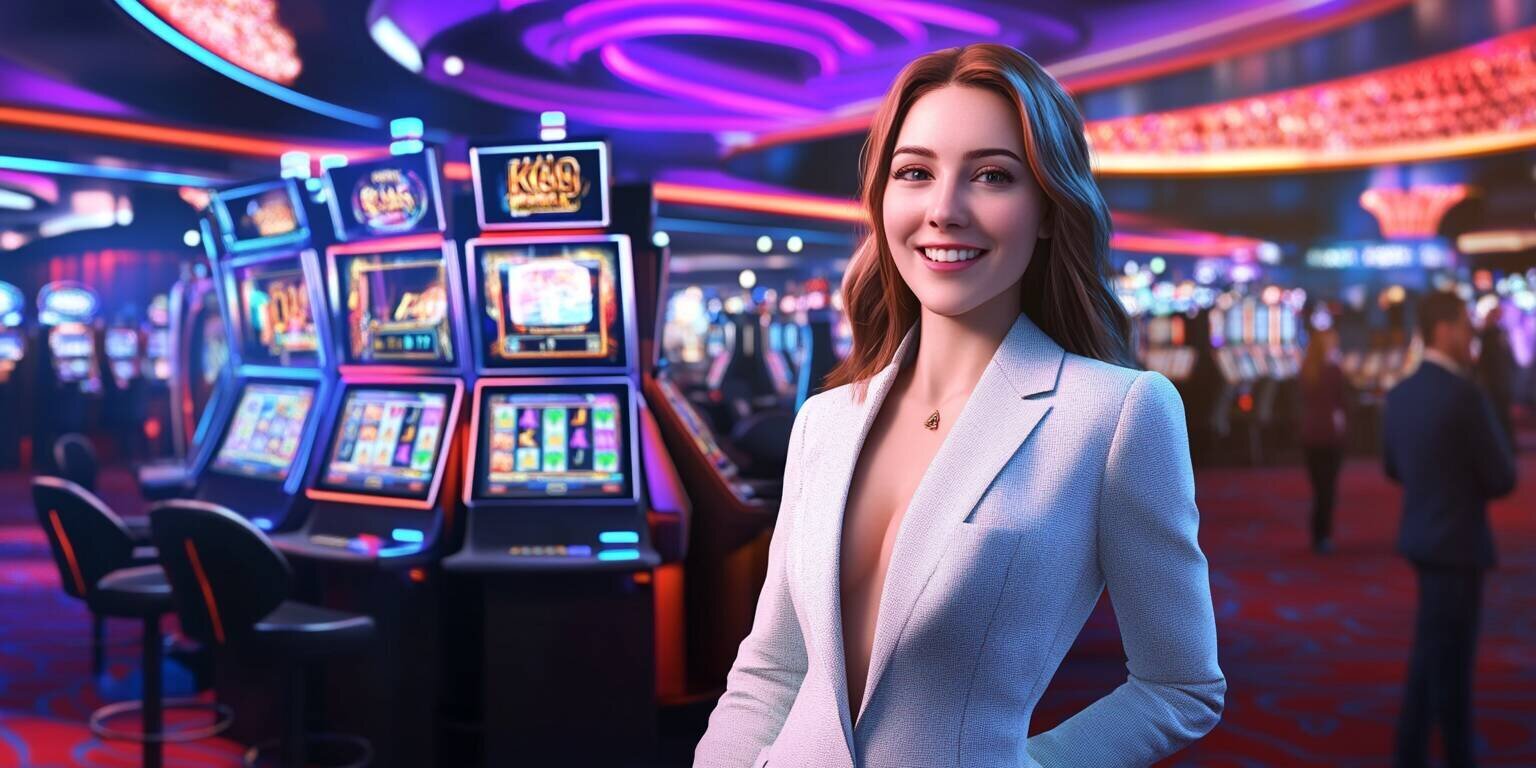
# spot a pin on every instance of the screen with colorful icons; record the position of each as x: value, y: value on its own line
x: 265, y: 433
x: 552, y: 304
x: 260, y: 215
x: 386, y: 442
x: 277, y: 321
x: 554, y: 442
x: 395, y: 308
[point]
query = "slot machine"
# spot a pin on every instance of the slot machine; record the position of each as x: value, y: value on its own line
x: 258, y: 446
x: 13, y: 349
x: 383, y: 484
x: 122, y: 348
x: 566, y: 470
x: 13, y: 341
x: 68, y: 309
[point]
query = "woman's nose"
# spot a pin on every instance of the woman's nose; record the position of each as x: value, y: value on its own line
x: 947, y: 207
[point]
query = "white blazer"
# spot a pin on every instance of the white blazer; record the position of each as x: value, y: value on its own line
x: 1061, y: 476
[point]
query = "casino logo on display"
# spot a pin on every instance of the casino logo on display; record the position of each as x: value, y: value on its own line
x: 390, y: 200
x: 385, y: 198
x: 541, y: 186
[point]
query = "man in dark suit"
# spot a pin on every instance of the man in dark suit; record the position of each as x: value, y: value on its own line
x: 1496, y: 368
x: 1443, y: 445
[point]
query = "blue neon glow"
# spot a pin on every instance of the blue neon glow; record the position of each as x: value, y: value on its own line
x: 262, y: 523
x: 578, y: 550
x: 408, y: 534
x: 619, y: 554
x: 219, y: 64
x: 61, y: 168
x: 407, y: 128
x: 407, y: 147
x: 399, y: 551
x: 619, y: 537
x: 16, y: 201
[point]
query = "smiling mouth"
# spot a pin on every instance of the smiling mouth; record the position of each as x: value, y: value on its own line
x: 950, y: 255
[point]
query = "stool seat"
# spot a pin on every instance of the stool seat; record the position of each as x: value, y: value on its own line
x: 141, y: 592
x: 310, y: 630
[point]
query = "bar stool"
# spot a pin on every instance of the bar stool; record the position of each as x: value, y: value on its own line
x: 99, y: 564
x: 231, y: 589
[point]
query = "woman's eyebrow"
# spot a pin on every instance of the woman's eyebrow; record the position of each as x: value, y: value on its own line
x: 971, y: 155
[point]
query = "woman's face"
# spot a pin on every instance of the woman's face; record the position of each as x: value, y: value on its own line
x: 962, y: 210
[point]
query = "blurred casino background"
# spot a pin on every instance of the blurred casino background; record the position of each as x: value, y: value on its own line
x: 181, y: 287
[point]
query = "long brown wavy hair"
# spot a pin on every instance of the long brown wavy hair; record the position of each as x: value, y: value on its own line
x: 1065, y: 291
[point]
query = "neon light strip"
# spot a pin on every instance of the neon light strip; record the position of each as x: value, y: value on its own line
x: 809, y: 206
x: 213, y: 141
x: 217, y: 63
x: 69, y: 551
x: 207, y: 589
x: 61, y: 168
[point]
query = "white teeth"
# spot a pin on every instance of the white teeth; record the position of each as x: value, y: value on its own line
x: 950, y: 254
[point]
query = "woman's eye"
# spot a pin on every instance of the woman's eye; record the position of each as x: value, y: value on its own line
x: 994, y: 176
x: 911, y: 173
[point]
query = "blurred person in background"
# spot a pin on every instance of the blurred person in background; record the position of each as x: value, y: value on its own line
x: 1496, y: 370
x: 1442, y: 443
x: 1323, y: 396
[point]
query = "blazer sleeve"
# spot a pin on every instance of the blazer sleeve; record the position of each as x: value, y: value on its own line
x: 1158, y: 583
x: 1487, y: 450
x: 772, y: 660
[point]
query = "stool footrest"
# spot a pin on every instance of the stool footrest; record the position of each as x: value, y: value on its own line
x: 223, y: 718
x: 322, y: 749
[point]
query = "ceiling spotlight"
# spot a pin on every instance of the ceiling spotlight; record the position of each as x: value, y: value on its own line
x: 192, y: 238
x: 795, y: 244
x: 747, y: 279
x: 764, y: 244
x: 453, y: 66
x: 661, y: 239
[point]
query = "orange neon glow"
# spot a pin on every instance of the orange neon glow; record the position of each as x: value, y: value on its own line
x: 1413, y: 212
x: 1471, y: 101
x: 207, y: 590
x: 151, y: 133
x: 809, y: 206
x: 457, y: 171
x: 69, y: 551
x: 417, y: 575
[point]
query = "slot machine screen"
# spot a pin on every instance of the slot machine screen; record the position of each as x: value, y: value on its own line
x: 557, y: 441
x: 553, y: 304
x: 122, y: 343
x: 386, y: 441
x: 157, y: 348
x: 12, y: 346
x: 277, y: 320
x: 395, y: 308
x: 265, y: 432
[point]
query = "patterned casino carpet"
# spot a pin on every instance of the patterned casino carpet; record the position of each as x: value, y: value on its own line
x: 1314, y: 648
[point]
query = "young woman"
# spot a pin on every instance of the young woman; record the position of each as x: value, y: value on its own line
x: 984, y: 467
x: 1324, y: 391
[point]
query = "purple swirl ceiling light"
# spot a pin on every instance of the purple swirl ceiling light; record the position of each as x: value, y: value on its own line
x: 728, y: 65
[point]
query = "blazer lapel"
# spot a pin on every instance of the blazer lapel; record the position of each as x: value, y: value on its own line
x: 1000, y: 414
x: 821, y: 528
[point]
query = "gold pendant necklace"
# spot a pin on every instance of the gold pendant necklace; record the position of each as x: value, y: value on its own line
x: 933, y: 421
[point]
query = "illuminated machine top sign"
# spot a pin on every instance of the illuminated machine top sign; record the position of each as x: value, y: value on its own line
x: 261, y: 215
x: 12, y: 302
x: 541, y: 186
x: 65, y: 302
x: 393, y: 196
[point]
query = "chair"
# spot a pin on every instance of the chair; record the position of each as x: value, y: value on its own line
x: 75, y: 458
x: 99, y: 563
x: 231, y: 589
